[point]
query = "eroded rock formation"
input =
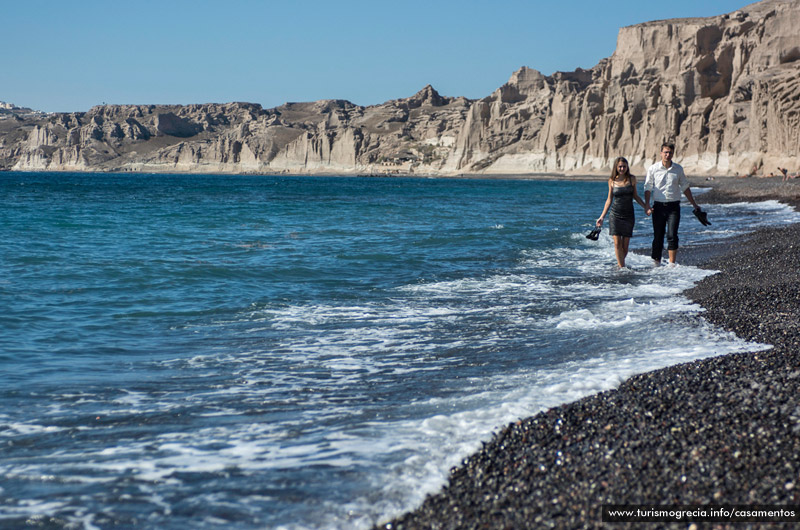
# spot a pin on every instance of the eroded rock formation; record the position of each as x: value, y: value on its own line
x: 725, y: 89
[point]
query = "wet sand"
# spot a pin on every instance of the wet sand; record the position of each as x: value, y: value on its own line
x: 724, y: 430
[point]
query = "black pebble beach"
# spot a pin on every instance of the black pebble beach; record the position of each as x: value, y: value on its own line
x: 720, y: 431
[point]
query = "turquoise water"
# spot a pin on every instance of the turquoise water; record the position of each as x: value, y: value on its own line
x: 214, y: 351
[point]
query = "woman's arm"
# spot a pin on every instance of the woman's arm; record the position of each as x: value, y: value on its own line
x: 608, y: 203
x: 638, y: 199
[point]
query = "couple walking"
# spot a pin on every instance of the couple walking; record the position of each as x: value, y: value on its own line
x: 665, y: 182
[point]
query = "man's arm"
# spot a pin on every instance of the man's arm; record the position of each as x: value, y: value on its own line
x: 688, y: 193
x: 684, y: 183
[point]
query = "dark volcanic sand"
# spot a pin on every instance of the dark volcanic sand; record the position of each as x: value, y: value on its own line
x: 724, y: 430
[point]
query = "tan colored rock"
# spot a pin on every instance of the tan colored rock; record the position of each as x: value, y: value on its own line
x: 725, y: 89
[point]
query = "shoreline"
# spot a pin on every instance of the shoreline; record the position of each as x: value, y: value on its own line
x: 465, y: 176
x: 723, y: 430
x: 736, y: 188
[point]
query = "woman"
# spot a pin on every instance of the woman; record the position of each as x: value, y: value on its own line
x: 621, y: 194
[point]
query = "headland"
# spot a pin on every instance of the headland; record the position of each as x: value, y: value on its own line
x: 723, y: 89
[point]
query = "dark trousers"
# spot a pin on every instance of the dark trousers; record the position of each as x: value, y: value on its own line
x: 666, y: 218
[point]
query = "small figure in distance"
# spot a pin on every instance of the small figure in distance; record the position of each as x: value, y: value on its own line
x: 621, y: 194
x: 785, y: 173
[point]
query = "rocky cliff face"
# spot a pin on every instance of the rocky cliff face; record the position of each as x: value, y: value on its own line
x: 725, y: 90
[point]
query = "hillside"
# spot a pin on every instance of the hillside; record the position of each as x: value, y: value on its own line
x: 725, y: 89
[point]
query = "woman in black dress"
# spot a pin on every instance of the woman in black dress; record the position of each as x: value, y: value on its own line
x: 621, y: 194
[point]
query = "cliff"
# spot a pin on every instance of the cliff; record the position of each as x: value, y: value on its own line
x: 725, y: 89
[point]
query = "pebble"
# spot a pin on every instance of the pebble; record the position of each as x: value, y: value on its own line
x: 718, y: 430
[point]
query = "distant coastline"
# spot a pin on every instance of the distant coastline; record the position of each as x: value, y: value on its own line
x: 727, y: 102
x: 480, y: 176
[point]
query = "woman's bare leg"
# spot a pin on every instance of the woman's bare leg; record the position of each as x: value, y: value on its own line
x: 626, y: 241
x: 619, y: 250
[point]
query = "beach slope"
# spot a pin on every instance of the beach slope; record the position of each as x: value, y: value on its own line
x: 724, y: 430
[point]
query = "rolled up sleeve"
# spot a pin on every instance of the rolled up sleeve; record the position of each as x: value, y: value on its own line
x: 683, y: 182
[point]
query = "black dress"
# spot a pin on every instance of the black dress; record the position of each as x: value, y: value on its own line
x: 621, y: 221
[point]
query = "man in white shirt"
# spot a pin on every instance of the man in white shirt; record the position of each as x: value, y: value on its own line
x: 665, y: 182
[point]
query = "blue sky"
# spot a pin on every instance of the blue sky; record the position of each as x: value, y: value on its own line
x: 68, y: 56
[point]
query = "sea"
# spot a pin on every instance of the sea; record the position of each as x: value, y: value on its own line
x: 280, y: 352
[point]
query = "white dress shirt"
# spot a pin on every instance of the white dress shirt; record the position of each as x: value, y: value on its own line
x: 665, y: 183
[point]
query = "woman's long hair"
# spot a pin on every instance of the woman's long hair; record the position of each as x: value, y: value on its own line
x: 615, y: 175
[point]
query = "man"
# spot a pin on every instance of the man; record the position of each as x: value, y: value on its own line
x: 665, y: 182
